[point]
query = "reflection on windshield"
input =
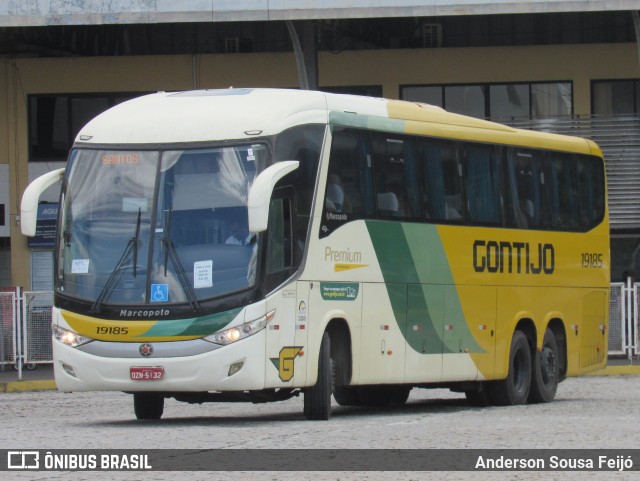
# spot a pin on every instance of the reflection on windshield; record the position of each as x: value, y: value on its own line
x: 199, y: 246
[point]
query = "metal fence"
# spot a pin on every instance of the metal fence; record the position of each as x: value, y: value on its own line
x: 624, y: 330
x: 25, y: 333
x: 8, y: 323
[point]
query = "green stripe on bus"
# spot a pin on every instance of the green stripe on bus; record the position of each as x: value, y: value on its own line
x: 416, y: 273
x: 195, y: 326
x: 369, y: 122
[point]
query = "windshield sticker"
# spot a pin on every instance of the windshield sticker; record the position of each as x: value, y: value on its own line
x: 80, y: 266
x: 134, y: 204
x: 332, y: 291
x: 202, y: 274
x: 159, y: 292
x: 250, y: 155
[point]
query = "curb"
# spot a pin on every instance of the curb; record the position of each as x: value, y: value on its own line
x: 22, y: 386
x: 628, y: 370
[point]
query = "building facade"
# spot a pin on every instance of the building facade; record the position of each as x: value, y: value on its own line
x: 571, y: 67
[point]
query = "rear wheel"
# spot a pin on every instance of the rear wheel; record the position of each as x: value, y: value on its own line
x: 546, y: 371
x: 515, y: 388
x: 148, y: 405
x: 317, y: 399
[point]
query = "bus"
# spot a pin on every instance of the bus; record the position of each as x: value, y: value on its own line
x: 259, y: 244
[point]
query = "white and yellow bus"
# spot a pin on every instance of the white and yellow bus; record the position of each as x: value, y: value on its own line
x: 256, y: 244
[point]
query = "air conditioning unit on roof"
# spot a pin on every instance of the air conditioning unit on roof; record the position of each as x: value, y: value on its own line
x: 431, y: 35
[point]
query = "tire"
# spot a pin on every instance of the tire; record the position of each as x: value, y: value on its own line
x: 546, y: 371
x: 148, y: 405
x: 347, y: 396
x: 317, y: 399
x: 479, y: 397
x: 514, y: 390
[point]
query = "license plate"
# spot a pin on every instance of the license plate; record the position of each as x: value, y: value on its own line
x: 146, y: 373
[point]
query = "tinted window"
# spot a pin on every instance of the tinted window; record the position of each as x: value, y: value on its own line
x: 591, y: 183
x: 482, y: 182
x: 349, y: 193
x: 525, y: 187
x: 397, y: 189
x: 441, y: 181
x: 563, y: 194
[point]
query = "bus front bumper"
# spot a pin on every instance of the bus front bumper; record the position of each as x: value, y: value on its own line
x: 236, y: 367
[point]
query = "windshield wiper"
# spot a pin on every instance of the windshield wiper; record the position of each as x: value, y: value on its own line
x: 132, y: 246
x: 170, y: 253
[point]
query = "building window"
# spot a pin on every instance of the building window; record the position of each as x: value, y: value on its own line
x: 55, y: 120
x: 611, y: 97
x: 497, y: 101
x: 366, y: 90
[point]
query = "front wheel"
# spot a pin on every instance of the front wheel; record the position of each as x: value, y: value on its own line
x: 546, y: 371
x: 515, y: 388
x: 148, y: 405
x: 317, y: 399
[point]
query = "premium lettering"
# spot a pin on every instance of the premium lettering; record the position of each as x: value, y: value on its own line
x: 513, y: 257
x: 342, y: 256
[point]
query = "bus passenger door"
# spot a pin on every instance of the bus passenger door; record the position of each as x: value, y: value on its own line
x: 286, y: 363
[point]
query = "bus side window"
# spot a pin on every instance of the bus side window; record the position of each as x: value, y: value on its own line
x: 280, y: 251
x: 349, y: 186
x: 301, y: 143
x: 563, y: 192
x: 397, y: 191
x: 441, y: 181
x: 591, y: 185
x: 483, y: 186
x: 526, y: 188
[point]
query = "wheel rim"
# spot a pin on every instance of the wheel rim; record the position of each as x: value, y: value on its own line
x: 548, y: 363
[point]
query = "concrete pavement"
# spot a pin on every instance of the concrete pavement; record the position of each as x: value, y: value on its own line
x: 41, y: 378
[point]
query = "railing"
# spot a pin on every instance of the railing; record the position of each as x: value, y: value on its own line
x: 623, y: 319
x: 25, y: 329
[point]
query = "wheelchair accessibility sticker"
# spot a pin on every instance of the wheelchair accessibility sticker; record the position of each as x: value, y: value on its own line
x: 159, y: 292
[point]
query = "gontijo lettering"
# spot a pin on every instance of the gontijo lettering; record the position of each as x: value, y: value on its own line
x: 513, y: 257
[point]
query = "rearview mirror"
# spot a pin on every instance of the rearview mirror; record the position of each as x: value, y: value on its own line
x: 261, y: 190
x: 30, y: 198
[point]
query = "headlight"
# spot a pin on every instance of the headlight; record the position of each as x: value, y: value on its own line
x: 236, y: 333
x: 70, y: 338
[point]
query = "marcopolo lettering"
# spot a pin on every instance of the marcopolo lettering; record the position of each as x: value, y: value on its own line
x: 144, y: 313
x: 513, y: 257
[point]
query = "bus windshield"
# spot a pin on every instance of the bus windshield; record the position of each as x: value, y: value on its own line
x: 153, y: 227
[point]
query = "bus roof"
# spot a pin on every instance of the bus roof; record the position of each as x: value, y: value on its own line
x: 211, y: 115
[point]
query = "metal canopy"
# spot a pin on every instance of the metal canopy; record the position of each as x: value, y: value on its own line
x: 35, y: 13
